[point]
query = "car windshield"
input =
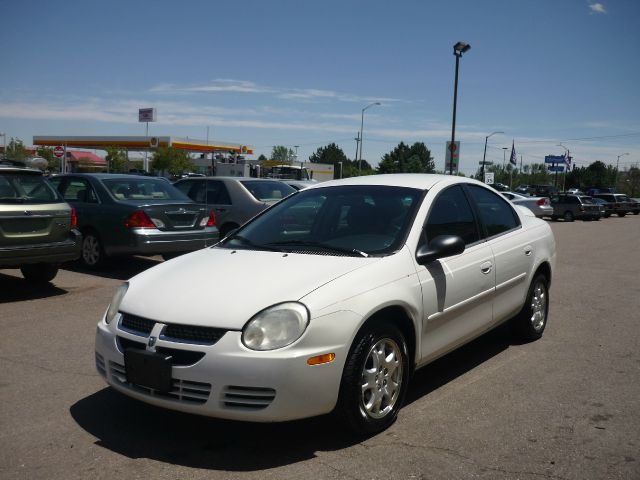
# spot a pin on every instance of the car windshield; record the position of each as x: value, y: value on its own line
x: 267, y: 191
x: 586, y: 199
x: 341, y: 220
x: 143, y: 189
x: 26, y: 188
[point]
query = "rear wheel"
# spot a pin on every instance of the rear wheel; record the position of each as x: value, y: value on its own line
x: 568, y: 216
x: 621, y: 214
x: 530, y: 323
x: 93, y: 254
x: 39, y: 272
x: 375, y: 379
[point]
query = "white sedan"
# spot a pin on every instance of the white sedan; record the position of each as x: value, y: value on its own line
x: 329, y: 300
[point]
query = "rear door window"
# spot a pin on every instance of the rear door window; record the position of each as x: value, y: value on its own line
x: 496, y: 214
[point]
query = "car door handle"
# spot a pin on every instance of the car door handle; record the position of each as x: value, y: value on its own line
x: 528, y: 250
x: 486, y: 267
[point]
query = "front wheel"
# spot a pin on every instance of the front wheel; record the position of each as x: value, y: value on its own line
x: 568, y: 216
x: 39, y: 272
x: 375, y: 379
x: 620, y: 214
x: 530, y: 323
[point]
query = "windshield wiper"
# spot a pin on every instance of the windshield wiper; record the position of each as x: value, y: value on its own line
x: 322, y: 246
x: 249, y: 243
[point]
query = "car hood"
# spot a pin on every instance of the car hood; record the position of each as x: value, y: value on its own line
x: 224, y: 288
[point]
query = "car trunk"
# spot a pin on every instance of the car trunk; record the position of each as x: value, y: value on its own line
x: 32, y: 224
x: 175, y: 216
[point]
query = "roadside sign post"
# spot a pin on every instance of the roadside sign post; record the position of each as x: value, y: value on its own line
x: 60, y: 152
x: 489, y: 178
x: 452, y: 157
x: 146, y: 115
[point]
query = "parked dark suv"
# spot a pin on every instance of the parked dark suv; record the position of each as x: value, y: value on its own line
x: 570, y: 207
x: 617, y: 203
x: 37, y: 227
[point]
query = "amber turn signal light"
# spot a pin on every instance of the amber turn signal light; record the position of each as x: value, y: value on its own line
x: 320, y: 359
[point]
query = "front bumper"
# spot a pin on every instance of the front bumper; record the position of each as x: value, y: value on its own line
x: 231, y: 381
x: 151, y: 241
x: 54, y: 252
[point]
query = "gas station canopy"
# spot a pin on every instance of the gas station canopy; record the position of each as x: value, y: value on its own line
x: 141, y: 143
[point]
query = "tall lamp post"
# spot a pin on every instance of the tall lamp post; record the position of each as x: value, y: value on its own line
x: 458, y: 49
x: 617, y: 165
x: 564, y: 178
x: 361, y: 127
x: 484, y: 156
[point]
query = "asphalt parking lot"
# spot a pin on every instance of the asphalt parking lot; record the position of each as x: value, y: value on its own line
x: 565, y: 407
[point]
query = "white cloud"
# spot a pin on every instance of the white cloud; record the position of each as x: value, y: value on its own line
x: 597, y: 8
x: 244, y: 86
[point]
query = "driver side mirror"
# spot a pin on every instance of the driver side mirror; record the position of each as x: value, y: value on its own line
x: 440, y: 247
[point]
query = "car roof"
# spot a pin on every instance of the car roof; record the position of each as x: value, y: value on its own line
x: 16, y: 169
x: 422, y: 181
x: 106, y: 176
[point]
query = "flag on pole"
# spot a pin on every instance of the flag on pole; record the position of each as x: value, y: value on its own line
x: 513, y: 159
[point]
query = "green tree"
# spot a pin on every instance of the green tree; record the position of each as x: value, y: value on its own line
x: 53, y: 163
x: 632, y: 182
x: 168, y: 159
x: 281, y: 153
x: 262, y: 158
x: 16, y: 151
x: 116, y: 160
x: 407, y: 159
x: 332, y: 154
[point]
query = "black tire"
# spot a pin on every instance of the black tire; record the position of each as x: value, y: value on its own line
x: 568, y: 216
x: 363, y: 412
x: 554, y: 218
x: 620, y: 214
x: 92, y: 255
x: 607, y: 215
x: 530, y: 323
x: 39, y: 272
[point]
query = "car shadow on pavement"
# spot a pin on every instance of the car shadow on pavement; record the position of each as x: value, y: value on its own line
x: 138, y: 430
x: 119, y: 268
x: 16, y: 289
x: 459, y: 362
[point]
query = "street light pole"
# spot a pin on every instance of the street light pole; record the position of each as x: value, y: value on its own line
x: 361, y: 128
x: 458, y: 49
x: 617, y: 165
x: 564, y: 178
x: 484, y: 156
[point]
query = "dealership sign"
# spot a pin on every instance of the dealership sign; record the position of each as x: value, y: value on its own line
x: 147, y: 115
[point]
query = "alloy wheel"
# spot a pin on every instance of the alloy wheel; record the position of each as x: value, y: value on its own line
x: 382, y: 377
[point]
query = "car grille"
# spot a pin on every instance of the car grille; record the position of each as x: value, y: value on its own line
x: 192, y: 334
x: 137, y: 325
x: 173, y: 332
x: 183, y: 391
x: 247, y: 398
x: 179, y: 358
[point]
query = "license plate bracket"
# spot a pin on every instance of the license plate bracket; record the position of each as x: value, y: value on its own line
x: 148, y: 369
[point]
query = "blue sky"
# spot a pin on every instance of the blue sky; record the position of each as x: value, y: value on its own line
x: 267, y: 73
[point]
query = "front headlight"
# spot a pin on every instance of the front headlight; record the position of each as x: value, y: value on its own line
x: 276, y: 327
x: 115, y: 303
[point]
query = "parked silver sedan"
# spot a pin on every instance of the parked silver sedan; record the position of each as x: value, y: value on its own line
x: 234, y: 199
x: 540, y: 206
